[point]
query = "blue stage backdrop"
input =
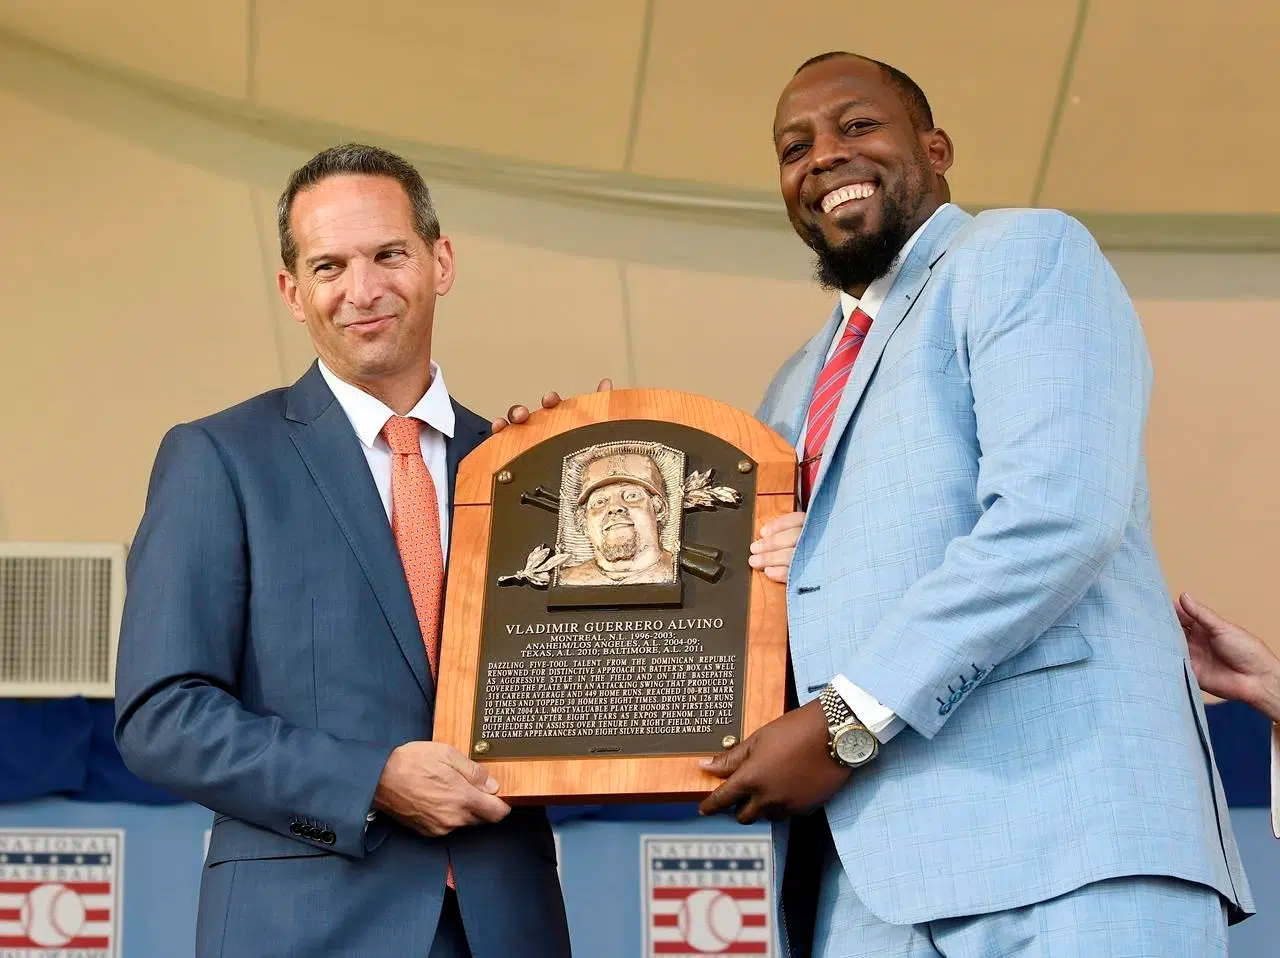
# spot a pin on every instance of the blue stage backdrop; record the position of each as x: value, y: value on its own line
x: 96, y: 864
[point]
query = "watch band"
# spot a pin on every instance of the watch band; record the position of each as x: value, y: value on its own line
x: 835, y: 708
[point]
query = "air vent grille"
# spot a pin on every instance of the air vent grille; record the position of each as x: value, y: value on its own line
x: 60, y: 610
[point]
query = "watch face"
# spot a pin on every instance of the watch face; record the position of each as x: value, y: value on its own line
x: 854, y: 746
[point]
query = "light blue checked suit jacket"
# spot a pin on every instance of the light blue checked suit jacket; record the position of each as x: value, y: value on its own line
x: 978, y: 556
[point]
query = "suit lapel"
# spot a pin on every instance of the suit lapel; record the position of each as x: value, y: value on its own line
x: 469, y: 431
x: 332, y: 454
x: 805, y: 377
x: 904, y: 294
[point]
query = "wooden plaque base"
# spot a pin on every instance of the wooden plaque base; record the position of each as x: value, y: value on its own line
x: 596, y: 779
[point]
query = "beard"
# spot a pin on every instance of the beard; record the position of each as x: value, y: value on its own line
x: 862, y: 258
x: 619, y: 543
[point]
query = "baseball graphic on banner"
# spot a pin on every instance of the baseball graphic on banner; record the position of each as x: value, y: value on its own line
x: 707, y: 895
x: 710, y: 920
x: 60, y: 892
x: 52, y: 915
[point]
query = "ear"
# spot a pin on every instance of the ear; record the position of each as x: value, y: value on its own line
x: 940, y: 150
x: 659, y: 507
x: 580, y: 518
x: 287, y: 283
x: 442, y: 254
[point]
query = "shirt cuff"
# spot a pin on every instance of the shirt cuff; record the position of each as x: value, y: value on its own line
x: 1275, y: 779
x: 881, y: 720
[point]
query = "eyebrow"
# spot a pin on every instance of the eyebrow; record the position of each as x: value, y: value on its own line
x: 321, y: 257
x: 800, y: 123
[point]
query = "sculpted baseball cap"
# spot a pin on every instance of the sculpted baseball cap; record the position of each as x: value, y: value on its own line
x: 622, y: 467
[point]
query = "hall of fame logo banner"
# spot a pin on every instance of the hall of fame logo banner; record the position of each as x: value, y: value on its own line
x: 707, y: 896
x: 60, y: 892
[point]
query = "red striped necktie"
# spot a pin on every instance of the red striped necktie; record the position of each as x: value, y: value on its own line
x: 826, y: 399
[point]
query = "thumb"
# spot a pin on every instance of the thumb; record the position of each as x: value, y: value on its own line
x: 605, y: 385
x: 1202, y: 614
x: 473, y: 772
x: 726, y: 763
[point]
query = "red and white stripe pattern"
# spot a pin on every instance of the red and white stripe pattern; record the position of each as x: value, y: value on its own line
x: 59, y: 892
x: 826, y: 398
x: 708, y: 896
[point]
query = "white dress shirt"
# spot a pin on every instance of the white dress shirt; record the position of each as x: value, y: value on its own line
x: 879, y: 718
x: 1275, y: 779
x: 368, y: 415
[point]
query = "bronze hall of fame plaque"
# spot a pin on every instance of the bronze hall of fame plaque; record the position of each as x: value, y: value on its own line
x: 602, y: 627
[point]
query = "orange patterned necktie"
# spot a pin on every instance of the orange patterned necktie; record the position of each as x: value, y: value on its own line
x: 415, y: 521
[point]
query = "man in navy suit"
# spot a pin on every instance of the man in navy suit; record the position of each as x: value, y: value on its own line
x: 280, y: 634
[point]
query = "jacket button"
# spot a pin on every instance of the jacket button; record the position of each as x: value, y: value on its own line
x: 328, y: 837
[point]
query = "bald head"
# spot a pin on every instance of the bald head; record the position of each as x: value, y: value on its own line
x: 860, y: 164
x: 913, y: 97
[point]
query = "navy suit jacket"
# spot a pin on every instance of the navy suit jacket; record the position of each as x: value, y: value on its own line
x: 270, y: 660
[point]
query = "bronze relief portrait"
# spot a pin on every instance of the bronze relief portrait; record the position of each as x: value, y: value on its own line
x: 620, y: 515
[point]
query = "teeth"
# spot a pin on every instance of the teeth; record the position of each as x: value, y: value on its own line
x: 858, y: 191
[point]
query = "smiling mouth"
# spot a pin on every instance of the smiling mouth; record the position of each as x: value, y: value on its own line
x: 847, y: 194
x: 371, y: 321
x: 618, y: 524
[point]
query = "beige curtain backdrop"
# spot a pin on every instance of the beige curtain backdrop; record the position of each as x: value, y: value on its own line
x: 138, y: 259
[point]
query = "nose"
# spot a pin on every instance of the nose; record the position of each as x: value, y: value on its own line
x: 830, y: 149
x: 364, y: 286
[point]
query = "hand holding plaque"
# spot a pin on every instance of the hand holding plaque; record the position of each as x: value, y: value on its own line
x: 603, y: 627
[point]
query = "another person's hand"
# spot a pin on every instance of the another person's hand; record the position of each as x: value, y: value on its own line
x: 519, y: 414
x: 434, y: 789
x: 776, y: 547
x: 783, y: 769
x: 1229, y: 661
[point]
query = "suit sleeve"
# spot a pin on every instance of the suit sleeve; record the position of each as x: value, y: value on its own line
x: 1060, y: 379
x: 179, y: 721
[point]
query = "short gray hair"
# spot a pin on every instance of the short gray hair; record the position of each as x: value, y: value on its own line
x: 355, y: 159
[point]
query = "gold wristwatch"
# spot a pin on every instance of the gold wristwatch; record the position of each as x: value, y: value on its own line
x: 850, y: 742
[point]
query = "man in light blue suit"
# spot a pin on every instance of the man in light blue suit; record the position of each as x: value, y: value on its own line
x: 277, y: 653
x: 996, y: 721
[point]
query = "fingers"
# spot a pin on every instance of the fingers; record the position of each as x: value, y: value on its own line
x: 726, y: 763
x: 779, y: 541
x: 726, y: 796
x: 475, y: 774
x: 520, y: 414
x: 774, y: 557
x: 1201, y: 614
x: 791, y: 521
x: 775, y: 548
x: 1184, y: 618
x: 777, y: 567
x: 750, y: 812
x: 516, y: 415
x: 486, y: 808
